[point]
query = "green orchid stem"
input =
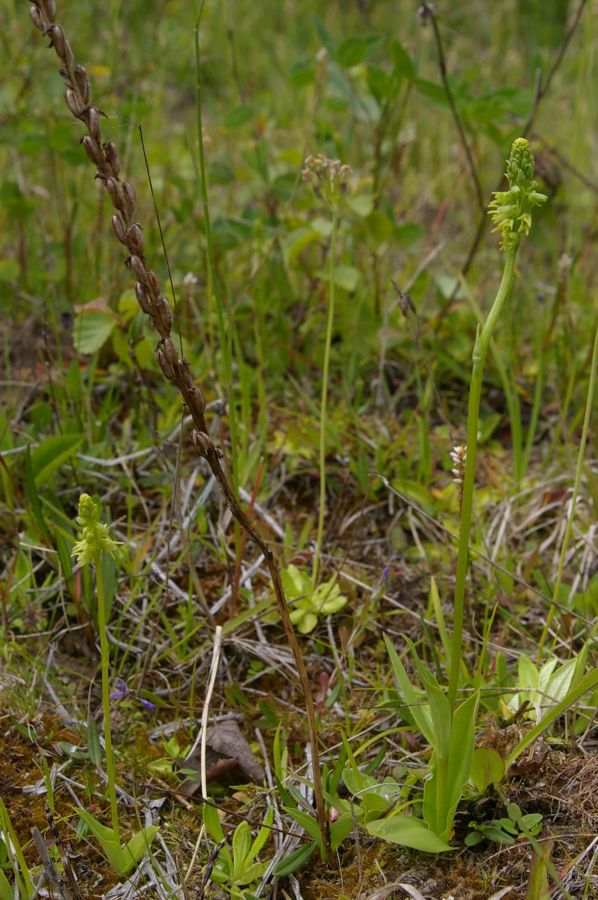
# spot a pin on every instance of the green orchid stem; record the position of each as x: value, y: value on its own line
x: 475, y: 392
x: 105, y: 664
x: 324, y: 402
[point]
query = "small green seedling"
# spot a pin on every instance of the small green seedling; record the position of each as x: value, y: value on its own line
x: 238, y: 868
x: 506, y: 830
x: 309, y: 604
x: 170, y: 762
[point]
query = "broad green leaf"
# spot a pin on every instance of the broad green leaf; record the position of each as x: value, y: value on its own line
x: 345, y: 277
x: 139, y: 844
x: 293, y: 861
x: 262, y: 835
x: 487, y: 767
x: 241, y: 845
x: 118, y: 858
x: 353, y: 50
x: 408, y: 832
x: 51, y: 454
x: 413, y: 699
x: 339, y: 830
x: 212, y: 824
x: 307, y: 822
x: 460, y: 754
x: 401, y: 61
x: 92, y: 328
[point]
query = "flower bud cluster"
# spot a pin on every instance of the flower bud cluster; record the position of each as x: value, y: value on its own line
x: 328, y: 178
x: 511, y: 210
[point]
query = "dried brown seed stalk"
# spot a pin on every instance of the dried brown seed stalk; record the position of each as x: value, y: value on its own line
x: 148, y: 291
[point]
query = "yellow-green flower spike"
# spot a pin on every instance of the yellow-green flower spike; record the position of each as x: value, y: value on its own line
x: 93, y: 537
x: 511, y: 210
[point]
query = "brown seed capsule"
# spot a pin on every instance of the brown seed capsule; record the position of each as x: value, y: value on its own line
x: 202, y: 442
x: 83, y: 83
x: 58, y: 40
x: 114, y: 189
x: 185, y: 376
x: 169, y: 351
x: 153, y: 284
x: 94, y: 151
x: 37, y: 18
x: 119, y: 228
x: 162, y: 317
x: 129, y: 199
x: 73, y: 103
x: 138, y: 269
x: 93, y: 123
x: 165, y: 366
x: 143, y: 298
x: 134, y: 239
x: 112, y: 156
x: 196, y: 402
x: 50, y: 9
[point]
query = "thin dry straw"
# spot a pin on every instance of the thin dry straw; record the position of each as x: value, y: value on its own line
x: 104, y: 155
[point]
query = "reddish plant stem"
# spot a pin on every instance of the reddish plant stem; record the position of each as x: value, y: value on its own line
x: 104, y: 155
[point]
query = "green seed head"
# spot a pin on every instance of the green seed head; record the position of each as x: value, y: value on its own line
x: 93, y: 536
x: 511, y: 210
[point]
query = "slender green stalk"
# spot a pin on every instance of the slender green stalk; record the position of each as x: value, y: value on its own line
x: 576, y: 485
x: 225, y: 336
x: 511, y: 212
x: 105, y: 666
x: 324, y: 400
x: 475, y: 392
x: 94, y: 541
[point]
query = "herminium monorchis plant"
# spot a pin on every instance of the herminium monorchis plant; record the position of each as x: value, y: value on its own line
x: 328, y: 179
x: 511, y: 213
x: 448, y: 726
x: 93, y: 544
x: 105, y: 157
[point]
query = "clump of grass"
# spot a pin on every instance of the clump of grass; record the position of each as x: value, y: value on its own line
x: 105, y: 157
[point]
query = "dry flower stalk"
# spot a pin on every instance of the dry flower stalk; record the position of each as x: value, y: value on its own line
x: 104, y: 155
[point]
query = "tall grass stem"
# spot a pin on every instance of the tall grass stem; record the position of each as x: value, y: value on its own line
x: 324, y: 399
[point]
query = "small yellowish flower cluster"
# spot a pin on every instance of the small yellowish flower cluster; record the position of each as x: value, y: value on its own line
x: 511, y: 210
x: 94, y: 537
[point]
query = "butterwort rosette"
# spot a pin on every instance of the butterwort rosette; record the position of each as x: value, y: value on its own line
x: 511, y: 210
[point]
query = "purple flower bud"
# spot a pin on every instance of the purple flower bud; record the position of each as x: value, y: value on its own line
x: 147, y: 703
x: 120, y: 690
